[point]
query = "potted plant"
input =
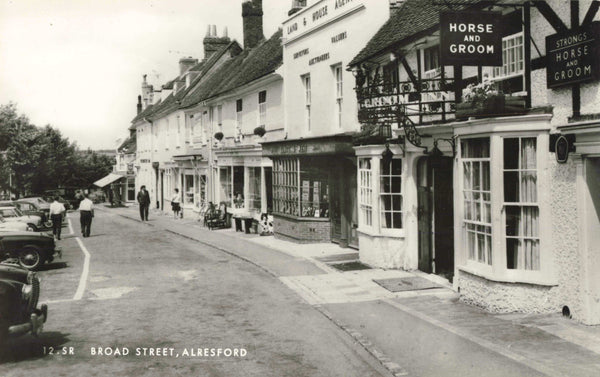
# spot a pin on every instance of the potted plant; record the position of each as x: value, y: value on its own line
x: 260, y: 131
x: 219, y: 136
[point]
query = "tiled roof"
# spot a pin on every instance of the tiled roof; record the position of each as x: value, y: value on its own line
x: 407, y: 23
x: 173, y: 100
x: 248, y: 66
x: 129, y: 145
x: 147, y: 111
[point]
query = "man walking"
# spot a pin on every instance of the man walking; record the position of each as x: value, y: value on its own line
x: 57, y: 209
x: 86, y: 212
x: 143, y: 198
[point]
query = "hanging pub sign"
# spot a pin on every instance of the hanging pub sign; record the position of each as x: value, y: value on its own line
x: 471, y: 38
x: 573, y: 56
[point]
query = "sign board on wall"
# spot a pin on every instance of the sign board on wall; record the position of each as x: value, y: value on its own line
x: 471, y: 38
x: 573, y: 57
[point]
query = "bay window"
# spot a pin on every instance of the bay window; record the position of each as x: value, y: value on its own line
x: 501, y: 213
x: 380, y: 196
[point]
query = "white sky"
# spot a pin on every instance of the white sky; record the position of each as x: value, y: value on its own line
x: 78, y: 64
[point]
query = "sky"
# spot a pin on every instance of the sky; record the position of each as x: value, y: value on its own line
x: 77, y: 65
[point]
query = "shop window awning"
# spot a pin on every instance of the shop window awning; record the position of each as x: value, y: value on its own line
x: 110, y: 178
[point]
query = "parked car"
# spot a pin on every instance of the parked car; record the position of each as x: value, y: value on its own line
x: 19, y: 294
x: 28, y: 208
x: 44, y: 206
x: 13, y: 226
x: 39, y: 201
x: 10, y: 213
x: 29, y: 249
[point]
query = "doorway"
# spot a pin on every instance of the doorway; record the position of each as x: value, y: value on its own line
x: 436, y: 215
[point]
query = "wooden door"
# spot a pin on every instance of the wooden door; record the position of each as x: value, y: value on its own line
x: 424, y: 212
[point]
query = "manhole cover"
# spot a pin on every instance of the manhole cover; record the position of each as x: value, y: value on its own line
x: 350, y: 266
x: 413, y: 283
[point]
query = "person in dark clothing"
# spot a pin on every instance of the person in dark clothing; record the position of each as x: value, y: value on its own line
x: 143, y: 198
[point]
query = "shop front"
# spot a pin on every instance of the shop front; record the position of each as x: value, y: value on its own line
x: 314, y: 190
x: 244, y: 181
x: 192, y: 182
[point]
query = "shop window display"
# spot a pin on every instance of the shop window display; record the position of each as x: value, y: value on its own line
x: 301, y: 188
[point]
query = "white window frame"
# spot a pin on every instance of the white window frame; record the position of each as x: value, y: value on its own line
x: 220, y: 115
x: 486, y: 261
x: 391, y: 194
x: 338, y: 75
x: 498, y: 271
x: 307, y: 100
x: 178, y: 139
x: 376, y: 230
x: 365, y: 190
x: 239, y: 115
x: 262, y: 110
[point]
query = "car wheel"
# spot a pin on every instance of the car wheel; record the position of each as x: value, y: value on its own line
x: 30, y: 257
x: 32, y: 226
x: 48, y: 224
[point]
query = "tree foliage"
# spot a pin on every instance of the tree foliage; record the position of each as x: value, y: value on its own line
x: 34, y: 159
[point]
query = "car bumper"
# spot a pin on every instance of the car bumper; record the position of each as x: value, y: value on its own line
x: 35, y: 324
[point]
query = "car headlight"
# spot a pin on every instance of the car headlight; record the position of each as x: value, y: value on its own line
x: 26, y: 292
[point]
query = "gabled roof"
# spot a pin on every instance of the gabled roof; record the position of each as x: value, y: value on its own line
x: 414, y: 18
x: 248, y: 66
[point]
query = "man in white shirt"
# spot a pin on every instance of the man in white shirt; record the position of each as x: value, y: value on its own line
x: 86, y: 212
x: 57, y: 210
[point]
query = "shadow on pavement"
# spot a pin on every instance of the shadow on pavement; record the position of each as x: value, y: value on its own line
x: 28, y: 347
x: 53, y: 266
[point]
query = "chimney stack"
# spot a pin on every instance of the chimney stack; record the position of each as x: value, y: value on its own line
x: 252, y: 14
x: 297, y: 5
x: 212, y: 42
x: 186, y: 63
x: 139, y: 105
x: 147, y: 93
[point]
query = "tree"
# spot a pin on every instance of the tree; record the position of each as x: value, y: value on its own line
x: 34, y: 160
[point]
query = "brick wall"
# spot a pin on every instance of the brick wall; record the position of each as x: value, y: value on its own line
x: 301, y: 231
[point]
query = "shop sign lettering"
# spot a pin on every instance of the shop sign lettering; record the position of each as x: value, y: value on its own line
x: 319, y: 59
x: 471, y: 38
x: 300, y: 53
x: 320, y: 13
x: 339, y: 37
x: 341, y: 3
x: 309, y: 19
x: 573, y: 57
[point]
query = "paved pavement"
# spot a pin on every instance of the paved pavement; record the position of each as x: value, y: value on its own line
x: 400, y: 328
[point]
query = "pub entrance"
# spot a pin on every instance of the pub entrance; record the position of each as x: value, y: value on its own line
x: 436, y: 215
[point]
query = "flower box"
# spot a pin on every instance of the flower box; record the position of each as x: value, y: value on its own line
x: 494, y: 105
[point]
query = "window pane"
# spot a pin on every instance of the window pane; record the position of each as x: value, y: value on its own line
x: 396, y: 184
x: 397, y: 202
x: 512, y: 253
x: 511, y: 153
x: 513, y: 215
x: 397, y: 220
x: 511, y: 186
x: 397, y: 167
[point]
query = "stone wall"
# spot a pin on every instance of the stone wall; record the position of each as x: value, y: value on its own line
x: 501, y: 297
